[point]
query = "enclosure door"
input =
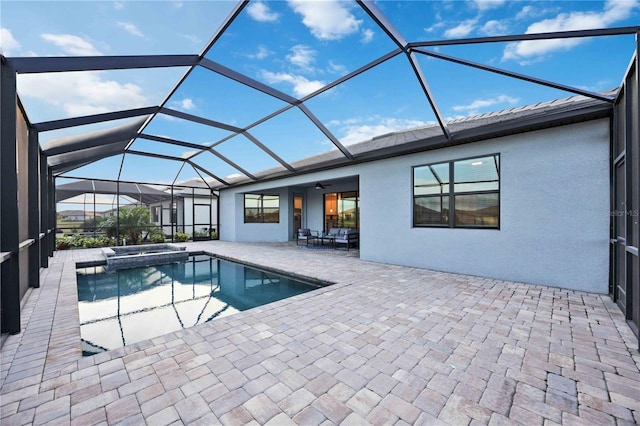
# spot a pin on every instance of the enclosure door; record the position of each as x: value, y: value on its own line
x: 619, y: 277
x: 202, y: 226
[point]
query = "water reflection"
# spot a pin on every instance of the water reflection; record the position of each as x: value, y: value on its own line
x: 130, y: 305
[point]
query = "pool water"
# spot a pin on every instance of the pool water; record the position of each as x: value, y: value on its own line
x: 130, y: 305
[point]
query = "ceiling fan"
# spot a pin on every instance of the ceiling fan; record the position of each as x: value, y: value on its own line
x: 321, y: 186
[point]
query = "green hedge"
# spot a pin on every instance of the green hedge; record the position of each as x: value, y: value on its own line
x: 79, y: 241
x: 180, y: 237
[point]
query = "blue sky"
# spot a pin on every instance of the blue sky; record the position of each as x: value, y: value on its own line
x: 298, y: 47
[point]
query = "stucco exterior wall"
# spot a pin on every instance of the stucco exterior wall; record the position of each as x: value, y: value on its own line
x: 554, y: 221
x: 554, y: 218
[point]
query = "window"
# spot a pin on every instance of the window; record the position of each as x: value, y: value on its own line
x: 474, y: 196
x: 261, y: 208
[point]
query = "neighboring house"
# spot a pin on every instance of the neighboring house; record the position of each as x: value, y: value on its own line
x: 112, y: 212
x: 76, y: 215
x: 187, y: 209
x: 518, y: 195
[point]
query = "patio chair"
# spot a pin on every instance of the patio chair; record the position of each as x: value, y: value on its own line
x: 347, y: 237
x: 305, y: 234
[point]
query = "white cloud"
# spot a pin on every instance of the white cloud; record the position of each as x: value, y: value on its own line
x: 130, y: 28
x: 302, y: 56
x: 474, y: 107
x: 72, y: 44
x: 187, y: 104
x: 488, y: 4
x: 461, y: 30
x: 526, y: 51
x: 337, y: 68
x: 301, y: 85
x: 495, y: 27
x: 117, y: 5
x: 327, y: 20
x: 359, y: 129
x: 436, y: 26
x: 617, y: 10
x: 261, y: 12
x: 178, y: 4
x: 262, y: 53
x: 84, y: 93
x: 192, y: 38
x: 367, y: 36
x: 525, y: 12
x: 530, y: 12
x: 8, y: 45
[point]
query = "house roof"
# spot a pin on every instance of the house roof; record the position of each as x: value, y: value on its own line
x: 466, y: 130
x: 87, y: 213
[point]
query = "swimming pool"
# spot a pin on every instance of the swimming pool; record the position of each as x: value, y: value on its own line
x: 130, y: 305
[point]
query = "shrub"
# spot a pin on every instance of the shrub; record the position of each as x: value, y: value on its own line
x: 214, y: 235
x: 180, y: 237
x: 63, y: 243
x: 97, y: 242
x: 157, y: 238
x: 155, y: 235
x: 91, y: 243
x: 104, y: 241
x: 77, y: 241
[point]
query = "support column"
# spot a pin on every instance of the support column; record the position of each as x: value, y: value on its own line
x: 171, y: 218
x: 10, y: 277
x: 193, y: 212
x: 118, y: 213
x: 51, y: 231
x: 44, y: 212
x: 33, y: 157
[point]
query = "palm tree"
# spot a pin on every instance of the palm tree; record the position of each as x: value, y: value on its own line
x: 133, y: 222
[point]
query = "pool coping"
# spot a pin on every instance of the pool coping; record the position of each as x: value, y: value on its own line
x: 318, y: 285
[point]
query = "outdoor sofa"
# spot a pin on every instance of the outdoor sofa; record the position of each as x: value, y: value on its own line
x: 345, y: 236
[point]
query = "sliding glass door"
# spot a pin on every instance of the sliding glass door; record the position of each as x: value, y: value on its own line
x: 341, y: 210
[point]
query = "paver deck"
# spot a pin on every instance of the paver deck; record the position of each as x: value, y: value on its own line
x: 384, y: 345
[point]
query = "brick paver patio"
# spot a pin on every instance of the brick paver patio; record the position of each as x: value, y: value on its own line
x: 385, y: 345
